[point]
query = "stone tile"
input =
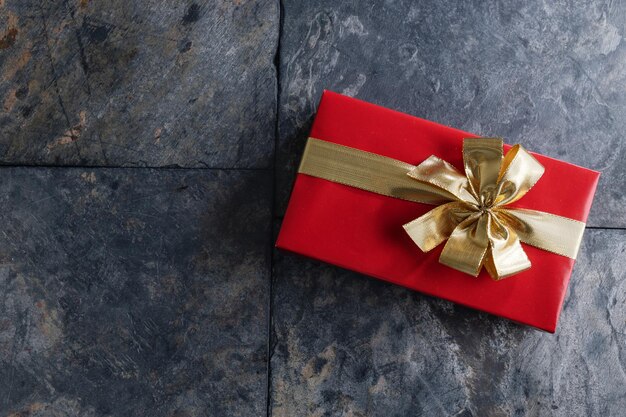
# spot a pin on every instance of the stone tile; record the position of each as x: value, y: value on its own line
x: 547, y: 75
x: 344, y: 344
x: 138, y: 83
x: 133, y: 292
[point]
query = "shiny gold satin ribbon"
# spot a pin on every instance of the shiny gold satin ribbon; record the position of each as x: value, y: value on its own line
x: 470, y: 213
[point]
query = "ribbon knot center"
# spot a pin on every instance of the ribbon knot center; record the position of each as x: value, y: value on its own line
x: 484, y: 209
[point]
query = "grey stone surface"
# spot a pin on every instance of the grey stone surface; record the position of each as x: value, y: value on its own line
x: 133, y: 292
x: 549, y: 75
x: 345, y: 345
x: 141, y: 292
x: 138, y: 83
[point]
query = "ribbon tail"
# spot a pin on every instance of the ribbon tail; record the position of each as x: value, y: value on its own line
x: 431, y: 229
x: 545, y: 231
x: 467, y: 246
x: 506, y: 256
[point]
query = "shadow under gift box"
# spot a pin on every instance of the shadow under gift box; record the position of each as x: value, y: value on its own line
x: 362, y: 231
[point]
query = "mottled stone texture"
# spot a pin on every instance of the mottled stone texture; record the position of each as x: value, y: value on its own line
x: 138, y: 83
x: 549, y: 75
x: 133, y: 292
x: 346, y: 345
x: 147, y: 292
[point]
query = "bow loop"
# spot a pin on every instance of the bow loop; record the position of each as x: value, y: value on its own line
x: 520, y: 171
x: 467, y: 246
x: 507, y: 256
x: 482, y: 158
x: 434, y: 227
x: 441, y: 174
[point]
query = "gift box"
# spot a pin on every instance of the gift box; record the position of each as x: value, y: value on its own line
x: 361, y: 229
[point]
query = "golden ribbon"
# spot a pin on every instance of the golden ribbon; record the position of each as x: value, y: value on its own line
x: 470, y: 213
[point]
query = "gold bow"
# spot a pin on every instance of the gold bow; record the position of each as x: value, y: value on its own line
x: 471, y: 212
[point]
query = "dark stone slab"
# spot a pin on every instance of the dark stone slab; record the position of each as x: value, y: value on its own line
x: 547, y: 75
x: 138, y: 83
x: 133, y: 292
x: 346, y: 345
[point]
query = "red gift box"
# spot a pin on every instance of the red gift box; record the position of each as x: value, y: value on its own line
x: 362, y: 231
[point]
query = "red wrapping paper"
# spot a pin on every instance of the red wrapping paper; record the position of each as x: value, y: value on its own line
x: 362, y: 231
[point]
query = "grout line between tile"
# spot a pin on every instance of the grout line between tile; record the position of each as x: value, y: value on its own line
x: 274, y: 220
x: 164, y: 168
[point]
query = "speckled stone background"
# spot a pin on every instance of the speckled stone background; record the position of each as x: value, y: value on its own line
x: 149, y: 149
